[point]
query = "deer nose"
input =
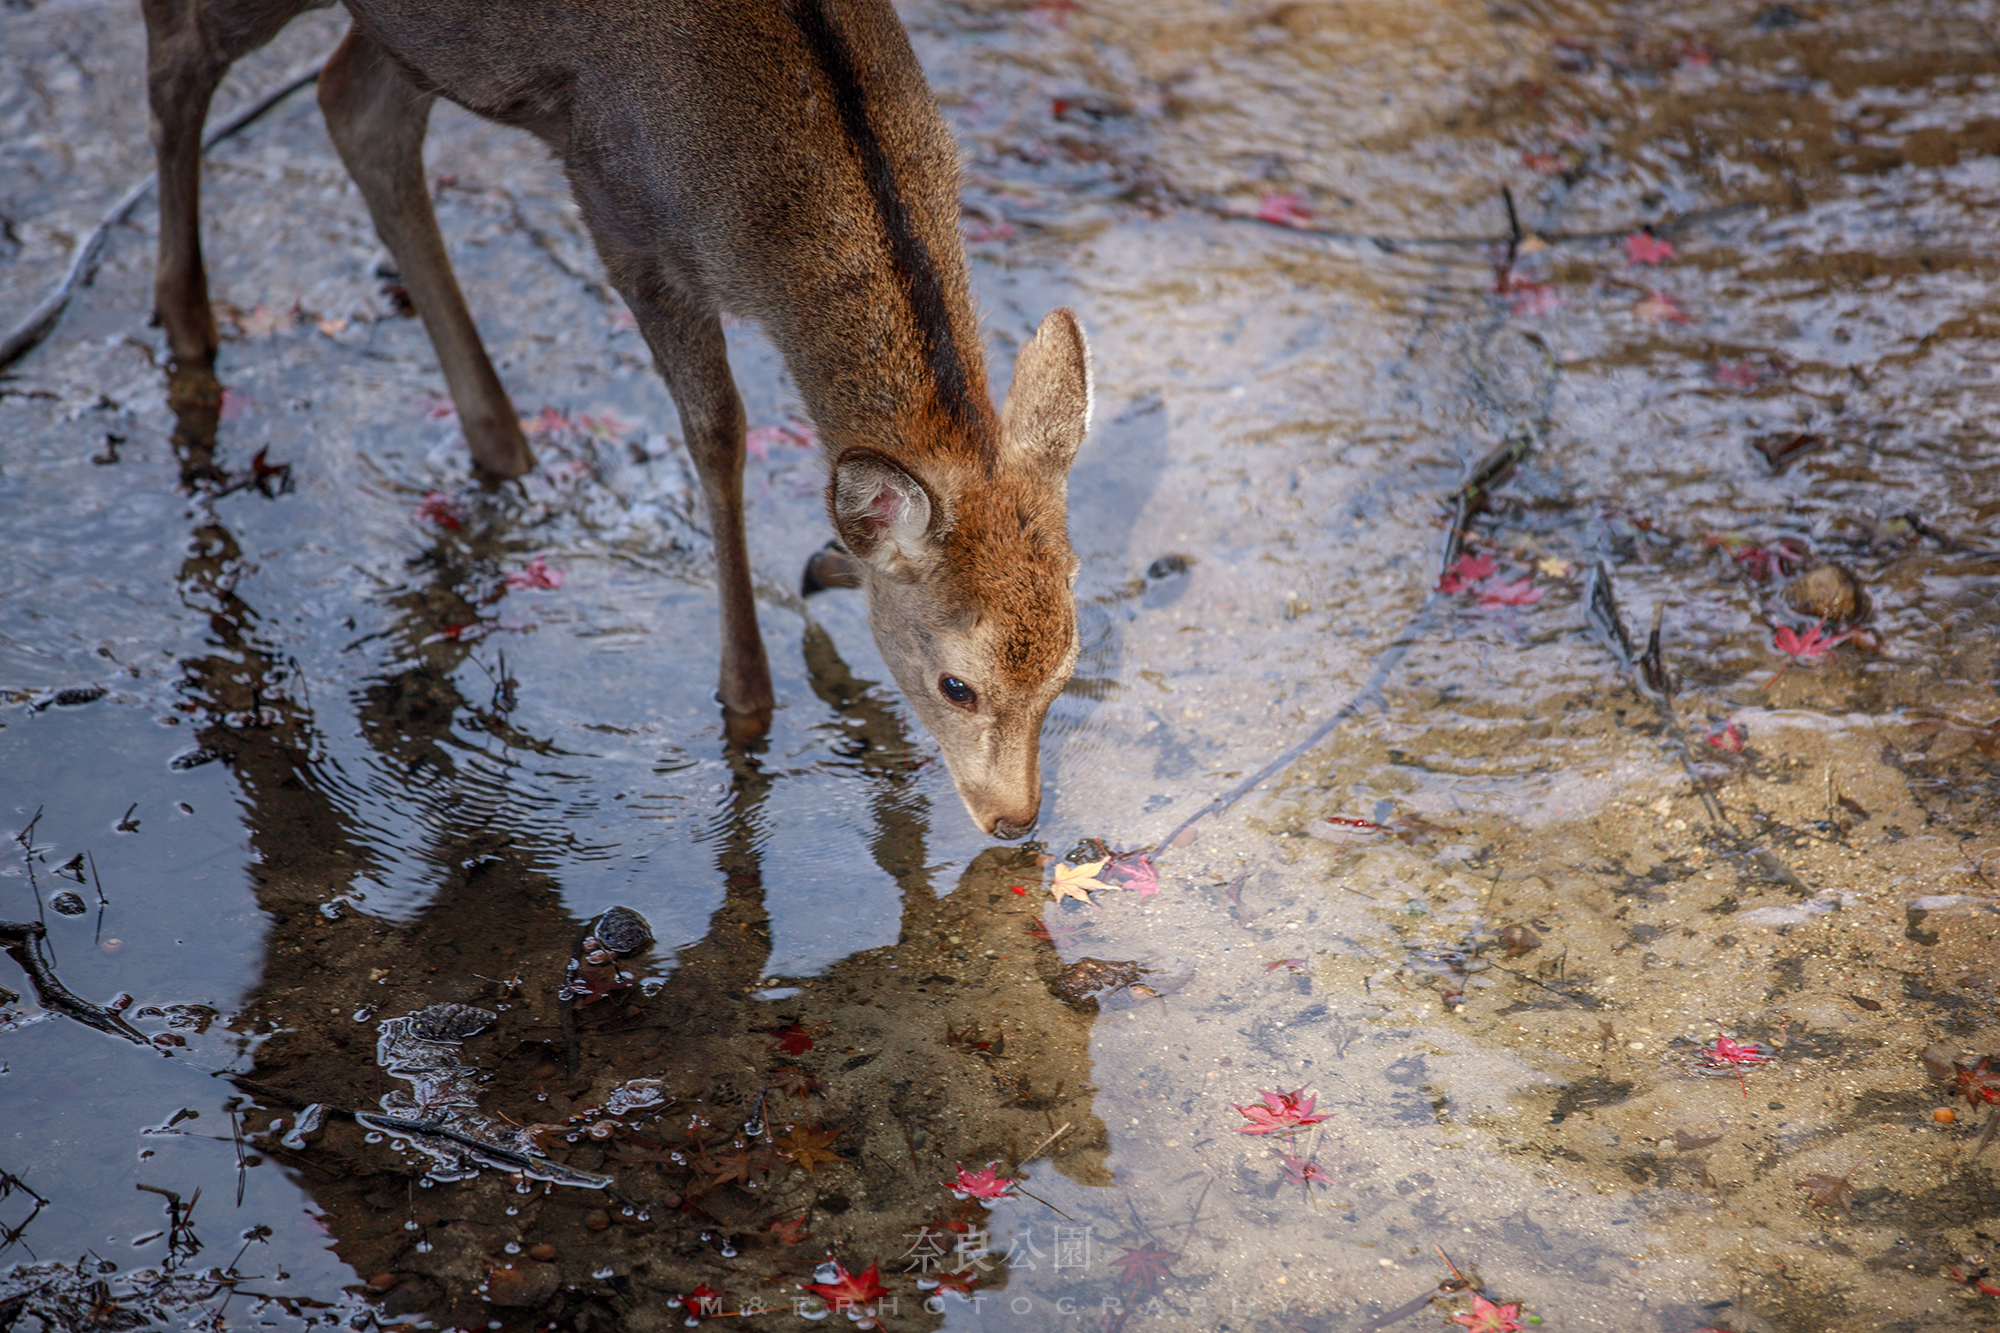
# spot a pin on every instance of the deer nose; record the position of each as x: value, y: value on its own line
x: 1009, y: 830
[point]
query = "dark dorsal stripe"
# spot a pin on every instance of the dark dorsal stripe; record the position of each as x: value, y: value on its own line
x: 915, y: 268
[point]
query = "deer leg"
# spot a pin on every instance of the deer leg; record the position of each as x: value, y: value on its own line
x: 184, y: 63
x: 693, y: 358
x: 377, y: 120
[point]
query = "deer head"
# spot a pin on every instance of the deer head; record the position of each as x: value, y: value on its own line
x: 970, y: 579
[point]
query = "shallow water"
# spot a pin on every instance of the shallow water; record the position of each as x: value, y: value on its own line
x: 353, y: 760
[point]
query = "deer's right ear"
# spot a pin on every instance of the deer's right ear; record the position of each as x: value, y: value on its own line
x: 881, y: 511
x: 1047, y: 412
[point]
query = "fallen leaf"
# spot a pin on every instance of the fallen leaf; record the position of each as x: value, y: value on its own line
x: 1281, y: 1111
x: 262, y: 321
x: 1466, y: 571
x: 1546, y: 163
x: 1284, y: 210
x: 1486, y: 1317
x: 1826, y: 1189
x: 1137, y: 872
x: 330, y: 324
x: 439, y: 508
x: 1534, y: 299
x: 1744, y: 374
x: 1303, y: 1171
x: 793, y: 434
x: 809, y: 1145
x: 987, y: 1184
x: 537, y: 574
x: 1727, y: 737
x: 1145, y: 1267
x: 1021, y: 889
x: 1814, y: 643
x: 1642, y: 247
x: 1659, y: 307
x: 1519, y: 593
x: 789, y: 1231
x: 792, y: 1039
x: 1073, y: 881
x: 848, y: 1290
x: 1296, y: 964
x: 1553, y: 568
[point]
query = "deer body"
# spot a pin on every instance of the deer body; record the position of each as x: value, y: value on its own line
x: 784, y: 161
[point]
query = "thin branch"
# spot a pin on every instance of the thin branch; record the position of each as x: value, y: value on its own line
x: 89, y: 249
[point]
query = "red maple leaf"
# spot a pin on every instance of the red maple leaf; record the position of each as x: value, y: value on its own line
x: 1136, y: 871
x: 703, y: 1300
x: 789, y: 1232
x: 1296, y: 964
x: 1980, y: 1081
x: 987, y: 1184
x: 1694, y: 55
x: 1145, y: 1267
x: 1466, y: 571
x: 1520, y: 593
x: 537, y: 574
x: 761, y: 440
x: 1280, y: 1112
x: 1302, y: 1171
x: 1642, y: 247
x: 1745, y: 374
x: 1532, y: 300
x: 1726, y: 1056
x: 848, y: 1290
x: 1658, y: 307
x: 1284, y: 210
x: 1486, y: 1317
x: 962, y: 1283
x: 439, y: 508
x: 1761, y: 562
x: 791, y: 1039
x: 1814, y: 643
x: 1728, y: 737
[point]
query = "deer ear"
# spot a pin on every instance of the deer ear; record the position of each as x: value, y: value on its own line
x: 880, y: 510
x: 1048, y: 406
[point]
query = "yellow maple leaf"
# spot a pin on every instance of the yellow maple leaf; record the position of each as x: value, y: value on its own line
x: 1075, y: 881
x: 1553, y: 567
x: 809, y: 1145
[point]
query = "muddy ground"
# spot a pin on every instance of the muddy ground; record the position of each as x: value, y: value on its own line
x: 1636, y: 988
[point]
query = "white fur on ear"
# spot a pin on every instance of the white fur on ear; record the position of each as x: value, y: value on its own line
x: 881, y: 511
x: 1049, y: 405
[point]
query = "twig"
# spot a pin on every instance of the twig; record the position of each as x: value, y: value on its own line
x: 1037, y: 1151
x: 1466, y: 501
x: 89, y: 249
x: 23, y: 942
x: 1392, y: 244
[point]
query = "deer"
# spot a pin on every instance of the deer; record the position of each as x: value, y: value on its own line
x: 784, y: 162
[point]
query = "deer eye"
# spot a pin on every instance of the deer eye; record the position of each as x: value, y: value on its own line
x: 956, y: 690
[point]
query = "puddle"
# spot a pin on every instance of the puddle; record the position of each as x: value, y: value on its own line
x: 1632, y: 989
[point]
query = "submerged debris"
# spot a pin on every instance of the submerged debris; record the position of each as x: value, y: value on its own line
x: 1828, y: 592
x: 622, y: 930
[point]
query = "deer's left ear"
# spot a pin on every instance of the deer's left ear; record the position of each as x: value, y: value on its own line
x: 1047, y: 412
x: 882, y: 511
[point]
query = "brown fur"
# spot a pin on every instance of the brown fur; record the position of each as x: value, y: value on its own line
x: 784, y: 161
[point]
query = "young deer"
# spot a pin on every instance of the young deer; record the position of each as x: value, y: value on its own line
x: 784, y: 161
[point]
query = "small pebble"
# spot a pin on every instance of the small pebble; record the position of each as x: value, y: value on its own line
x: 597, y: 1219
x: 1827, y: 592
x: 384, y: 1281
x: 1944, y: 1115
x: 544, y: 1252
